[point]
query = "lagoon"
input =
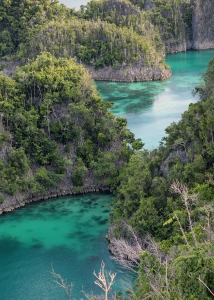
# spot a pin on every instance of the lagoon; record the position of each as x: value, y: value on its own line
x: 69, y: 232
x: 152, y: 106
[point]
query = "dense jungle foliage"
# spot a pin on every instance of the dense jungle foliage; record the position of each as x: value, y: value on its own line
x: 120, y: 37
x: 21, y: 20
x: 56, y: 131
x: 54, y: 125
x: 168, y: 193
x: 172, y: 18
x: 165, y: 22
x: 96, y: 44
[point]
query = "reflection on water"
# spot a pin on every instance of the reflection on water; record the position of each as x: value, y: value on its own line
x: 151, y: 106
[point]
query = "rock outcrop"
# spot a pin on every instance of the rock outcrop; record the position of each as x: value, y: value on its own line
x: 130, y: 74
x: 182, y: 24
x: 165, y: 166
x: 203, y: 24
x: 19, y: 200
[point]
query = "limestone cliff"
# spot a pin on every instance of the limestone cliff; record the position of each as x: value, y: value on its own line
x: 123, y: 17
x: 183, y: 24
x: 203, y: 24
x: 130, y: 73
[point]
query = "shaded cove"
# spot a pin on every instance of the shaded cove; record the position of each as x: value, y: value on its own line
x: 69, y: 232
x: 152, y: 106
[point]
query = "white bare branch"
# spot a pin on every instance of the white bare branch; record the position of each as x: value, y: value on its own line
x: 202, y: 282
x: 104, y: 280
x: 68, y: 287
x: 182, y: 189
x: 181, y: 229
x: 127, y: 250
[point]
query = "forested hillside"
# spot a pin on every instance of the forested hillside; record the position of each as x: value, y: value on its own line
x: 31, y: 27
x: 168, y: 23
x: 57, y: 135
x: 116, y: 40
x: 173, y: 19
x: 168, y: 194
x: 178, y: 24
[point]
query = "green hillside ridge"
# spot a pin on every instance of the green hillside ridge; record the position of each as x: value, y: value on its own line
x: 168, y: 194
x: 96, y: 44
x: 177, y: 24
x: 20, y: 20
x: 57, y: 135
x: 29, y: 29
x: 124, y: 14
x: 116, y: 40
x: 173, y: 19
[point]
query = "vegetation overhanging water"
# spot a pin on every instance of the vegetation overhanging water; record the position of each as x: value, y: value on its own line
x: 152, y: 106
x: 70, y: 232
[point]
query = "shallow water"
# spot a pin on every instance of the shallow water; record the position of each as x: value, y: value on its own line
x: 151, y: 106
x: 69, y: 232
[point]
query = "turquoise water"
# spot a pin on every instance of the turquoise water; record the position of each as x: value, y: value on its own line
x: 69, y: 232
x: 151, y: 106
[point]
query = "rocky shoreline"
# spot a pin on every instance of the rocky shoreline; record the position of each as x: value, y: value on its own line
x: 133, y: 73
x: 19, y: 200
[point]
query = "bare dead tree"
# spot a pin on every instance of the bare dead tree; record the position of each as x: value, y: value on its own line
x: 181, y: 229
x: 182, y: 189
x: 126, y: 254
x: 68, y: 287
x: 206, y: 214
x: 92, y: 296
x: 104, y: 279
x: 127, y: 250
x: 204, y: 284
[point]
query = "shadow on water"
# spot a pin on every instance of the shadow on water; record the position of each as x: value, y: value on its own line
x: 9, y: 245
x: 147, y: 105
x: 37, y: 245
x: 69, y: 232
x: 140, y: 96
x: 99, y: 220
x: 70, y: 236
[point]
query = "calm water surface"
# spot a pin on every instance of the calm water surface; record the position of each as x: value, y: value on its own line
x: 69, y: 232
x: 151, y: 106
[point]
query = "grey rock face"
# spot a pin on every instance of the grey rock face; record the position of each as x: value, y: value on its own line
x: 203, y: 24
x: 130, y: 73
x: 165, y: 168
x: 201, y: 29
